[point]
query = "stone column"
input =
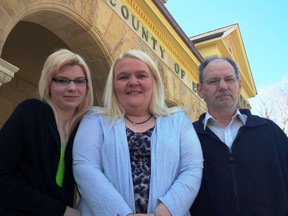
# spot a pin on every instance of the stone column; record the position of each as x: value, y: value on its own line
x: 7, y: 71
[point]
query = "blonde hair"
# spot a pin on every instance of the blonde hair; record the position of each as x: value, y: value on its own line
x: 51, y: 67
x: 112, y: 107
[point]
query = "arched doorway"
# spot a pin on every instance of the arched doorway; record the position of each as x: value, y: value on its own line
x: 30, y: 42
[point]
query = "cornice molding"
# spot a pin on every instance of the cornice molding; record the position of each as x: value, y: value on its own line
x: 7, y: 71
x: 166, y: 32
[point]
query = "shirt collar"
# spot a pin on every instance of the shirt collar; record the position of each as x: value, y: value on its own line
x: 240, y: 116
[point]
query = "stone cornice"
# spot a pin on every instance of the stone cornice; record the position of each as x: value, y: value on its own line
x: 7, y: 71
x: 157, y: 22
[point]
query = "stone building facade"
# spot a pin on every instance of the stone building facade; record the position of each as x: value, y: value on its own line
x: 99, y: 30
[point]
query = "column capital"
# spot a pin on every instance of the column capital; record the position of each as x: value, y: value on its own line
x: 7, y: 71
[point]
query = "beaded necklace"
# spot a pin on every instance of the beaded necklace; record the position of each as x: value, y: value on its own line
x: 136, y: 123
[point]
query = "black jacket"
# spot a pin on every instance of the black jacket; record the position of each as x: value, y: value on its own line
x: 249, y: 180
x: 29, y: 157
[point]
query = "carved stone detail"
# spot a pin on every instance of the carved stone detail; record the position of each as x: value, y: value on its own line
x: 7, y: 71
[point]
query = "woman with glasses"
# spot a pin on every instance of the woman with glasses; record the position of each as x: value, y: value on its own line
x: 36, y: 141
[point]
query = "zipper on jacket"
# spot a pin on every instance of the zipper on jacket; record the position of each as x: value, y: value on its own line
x: 231, y: 162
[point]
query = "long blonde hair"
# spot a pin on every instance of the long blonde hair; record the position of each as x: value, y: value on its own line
x: 52, y: 65
x: 112, y: 107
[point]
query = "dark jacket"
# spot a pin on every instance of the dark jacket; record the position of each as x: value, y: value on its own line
x: 29, y: 157
x: 249, y: 180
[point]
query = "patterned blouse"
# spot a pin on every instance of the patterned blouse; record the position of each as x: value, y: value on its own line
x: 140, y: 156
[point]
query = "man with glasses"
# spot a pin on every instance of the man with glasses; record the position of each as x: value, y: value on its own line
x: 245, y: 156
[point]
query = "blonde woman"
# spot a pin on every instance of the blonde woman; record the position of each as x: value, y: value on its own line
x: 36, y: 141
x: 136, y: 156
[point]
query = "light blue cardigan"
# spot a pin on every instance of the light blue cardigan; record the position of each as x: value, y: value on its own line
x: 101, y: 165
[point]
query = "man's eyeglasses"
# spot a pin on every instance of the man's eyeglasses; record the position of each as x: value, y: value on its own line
x: 66, y: 81
x: 216, y: 80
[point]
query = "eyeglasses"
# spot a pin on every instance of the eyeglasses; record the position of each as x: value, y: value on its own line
x: 216, y: 80
x: 64, y: 81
